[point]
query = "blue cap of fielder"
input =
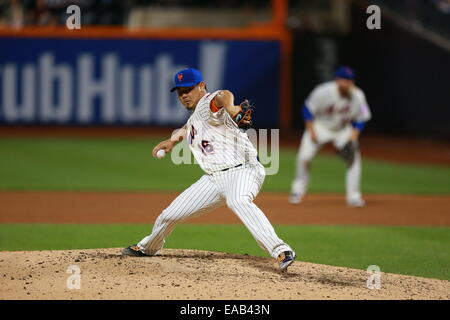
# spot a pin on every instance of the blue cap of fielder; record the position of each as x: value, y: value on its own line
x: 187, y: 78
x: 345, y: 72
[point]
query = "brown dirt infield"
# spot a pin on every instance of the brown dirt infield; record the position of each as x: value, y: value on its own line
x: 144, y: 207
x: 192, y: 275
x: 185, y: 274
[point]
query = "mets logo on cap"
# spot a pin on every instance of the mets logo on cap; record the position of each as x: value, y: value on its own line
x: 186, y: 78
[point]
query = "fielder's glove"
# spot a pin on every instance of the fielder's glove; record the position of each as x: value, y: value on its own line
x: 348, y: 151
x: 244, y: 117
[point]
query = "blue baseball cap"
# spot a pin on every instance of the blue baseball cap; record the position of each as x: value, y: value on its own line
x: 187, y: 78
x: 345, y: 72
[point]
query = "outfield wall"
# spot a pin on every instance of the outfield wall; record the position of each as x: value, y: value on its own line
x: 121, y: 79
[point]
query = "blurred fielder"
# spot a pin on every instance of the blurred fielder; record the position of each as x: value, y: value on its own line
x: 335, y: 111
x: 233, y: 174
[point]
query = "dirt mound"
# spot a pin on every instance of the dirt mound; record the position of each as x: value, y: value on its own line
x: 191, y: 274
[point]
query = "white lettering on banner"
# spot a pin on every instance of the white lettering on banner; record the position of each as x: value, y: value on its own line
x: 16, y: 111
x: 168, y: 108
x: 51, y: 75
x: 136, y: 111
x: 212, y: 63
x: 90, y: 88
x: 51, y: 90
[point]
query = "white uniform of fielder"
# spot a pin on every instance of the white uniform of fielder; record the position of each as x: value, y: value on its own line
x: 233, y: 176
x: 333, y: 117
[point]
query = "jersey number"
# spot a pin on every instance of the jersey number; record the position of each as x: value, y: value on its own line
x: 192, y: 134
x: 205, y: 146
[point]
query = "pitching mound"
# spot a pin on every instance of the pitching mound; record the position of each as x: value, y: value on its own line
x: 191, y: 274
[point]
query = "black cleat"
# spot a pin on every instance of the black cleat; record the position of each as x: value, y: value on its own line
x: 285, y: 259
x: 133, y: 251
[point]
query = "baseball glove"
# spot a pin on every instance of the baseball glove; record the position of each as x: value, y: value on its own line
x: 348, y: 151
x: 244, y: 117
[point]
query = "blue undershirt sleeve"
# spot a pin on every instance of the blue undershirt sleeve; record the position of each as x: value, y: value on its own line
x: 307, y: 115
x: 359, y: 125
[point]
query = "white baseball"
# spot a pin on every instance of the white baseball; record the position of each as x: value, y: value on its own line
x: 160, y: 154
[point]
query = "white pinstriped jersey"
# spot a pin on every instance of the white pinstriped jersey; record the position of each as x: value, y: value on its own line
x: 217, y: 144
x: 335, y: 112
x: 220, y: 145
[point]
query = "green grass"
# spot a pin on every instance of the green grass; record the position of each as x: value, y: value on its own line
x: 328, y: 175
x: 126, y: 164
x: 87, y: 164
x: 418, y: 251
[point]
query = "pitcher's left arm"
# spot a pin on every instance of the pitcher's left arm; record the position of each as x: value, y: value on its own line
x: 241, y: 114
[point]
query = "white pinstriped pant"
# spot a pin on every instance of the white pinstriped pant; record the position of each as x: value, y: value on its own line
x: 308, y: 150
x: 236, y: 187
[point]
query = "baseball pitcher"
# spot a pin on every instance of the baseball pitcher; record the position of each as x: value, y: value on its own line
x: 335, y: 111
x: 233, y: 175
